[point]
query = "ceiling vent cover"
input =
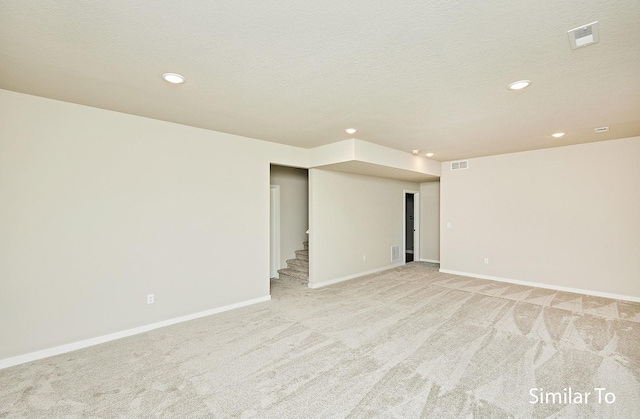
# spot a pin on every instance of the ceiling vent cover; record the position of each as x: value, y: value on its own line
x: 459, y: 165
x: 584, y: 35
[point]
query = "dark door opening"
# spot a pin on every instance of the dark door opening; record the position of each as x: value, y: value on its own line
x: 409, y: 227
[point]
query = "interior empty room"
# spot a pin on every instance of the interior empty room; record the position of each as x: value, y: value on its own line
x: 274, y: 209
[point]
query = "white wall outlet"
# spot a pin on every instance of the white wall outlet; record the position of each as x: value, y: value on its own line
x: 150, y: 298
x: 364, y: 257
x: 486, y: 261
x: 448, y: 224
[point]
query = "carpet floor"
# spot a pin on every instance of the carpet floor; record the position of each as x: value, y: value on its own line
x: 407, y: 342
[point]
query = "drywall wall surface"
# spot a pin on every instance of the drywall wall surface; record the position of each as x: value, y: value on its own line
x: 355, y: 221
x: 332, y: 153
x: 385, y: 156
x: 284, y: 156
x: 430, y: 221
x: 567, y: 216
x: 294, y: 209
x: 99, y: 209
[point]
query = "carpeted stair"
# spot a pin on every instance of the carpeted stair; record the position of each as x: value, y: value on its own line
x: 297, y: 269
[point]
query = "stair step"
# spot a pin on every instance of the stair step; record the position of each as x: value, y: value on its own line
x: 298, y: 265
x: 287, y: 278
x: 302, y: 254
x: 306, y: 245
x: 297, y: 275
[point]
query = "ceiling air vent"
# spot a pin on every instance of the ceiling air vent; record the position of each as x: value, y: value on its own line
x: 584, y: 35
x: 459, y: 165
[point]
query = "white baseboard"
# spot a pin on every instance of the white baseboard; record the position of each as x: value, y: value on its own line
x: 46, y: 353
x: 348, y: 277
x: 430, y: 260
x: 547, y: 286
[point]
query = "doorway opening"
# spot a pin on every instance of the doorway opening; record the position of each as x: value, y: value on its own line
x: 411, y: 234
x: 289, y: 214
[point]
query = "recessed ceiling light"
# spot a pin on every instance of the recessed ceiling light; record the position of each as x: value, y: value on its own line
x: 415, y: 151
x: 520, y: 84
x: 351, y: 130
x: 173, y: 78
x: 558, y: 134
x: 429, y: 154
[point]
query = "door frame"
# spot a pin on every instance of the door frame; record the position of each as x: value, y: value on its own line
x: 416, y: 224
x: 274, y: 230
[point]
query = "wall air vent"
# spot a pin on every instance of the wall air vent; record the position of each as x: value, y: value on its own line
x: 584, y: 35
x: 395, y: 253
x: 458, y: 165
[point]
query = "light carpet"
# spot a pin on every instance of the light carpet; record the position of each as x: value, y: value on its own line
x: 407, y: 342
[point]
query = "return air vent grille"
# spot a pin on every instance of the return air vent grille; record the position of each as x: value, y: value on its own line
x: 459, y: 165
x: 584, y: 35
x: 395, y: 253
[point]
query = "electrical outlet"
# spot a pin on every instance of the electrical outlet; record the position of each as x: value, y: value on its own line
x: 486, y: 261
x: 448, y: 224
x: 150, y: 298
x: 364, y: 257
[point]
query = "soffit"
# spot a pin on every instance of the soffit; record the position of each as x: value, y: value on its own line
x: 372, y: 169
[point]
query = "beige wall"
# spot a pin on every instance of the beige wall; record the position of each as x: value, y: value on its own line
x: 294, y: 209
x: 353, y: 216
x: 430, y: 221
x: 567, y: 216
x: 99, y: 208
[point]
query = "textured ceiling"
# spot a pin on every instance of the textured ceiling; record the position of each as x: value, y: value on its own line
x: 409, y: 75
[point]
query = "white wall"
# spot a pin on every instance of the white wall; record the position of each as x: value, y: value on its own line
x: 353, y: 216
x: 430, y: 221
x: 99, y: 208
x: 566, y: 216
x: 294, y: 209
